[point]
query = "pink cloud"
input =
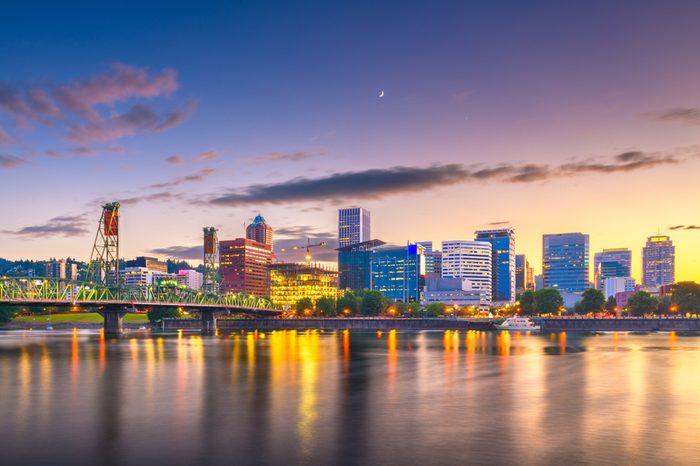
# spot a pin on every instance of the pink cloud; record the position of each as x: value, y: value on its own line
x: 206, y: 156
x: 4, y: 138
x: 175, y: 160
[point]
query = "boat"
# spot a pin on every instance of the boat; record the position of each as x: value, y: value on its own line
x: 518, y: 323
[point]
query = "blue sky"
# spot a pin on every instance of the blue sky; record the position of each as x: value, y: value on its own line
x: 273, y: 91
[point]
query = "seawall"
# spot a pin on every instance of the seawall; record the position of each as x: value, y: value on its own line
x: 625, y: 324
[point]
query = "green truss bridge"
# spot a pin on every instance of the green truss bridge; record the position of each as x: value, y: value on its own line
x: 105, y: 292
x: 114, y: 303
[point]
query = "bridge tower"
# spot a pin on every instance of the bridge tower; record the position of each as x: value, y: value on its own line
x: 210, y: 280
x: 103, y: 267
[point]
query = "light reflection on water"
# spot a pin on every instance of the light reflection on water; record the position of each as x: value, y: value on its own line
x: 349, y: 398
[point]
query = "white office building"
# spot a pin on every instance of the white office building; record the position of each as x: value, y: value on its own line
x: 471, y: 260
x: 614, y: 285
x: 353, y: 226
x: 190, y: 278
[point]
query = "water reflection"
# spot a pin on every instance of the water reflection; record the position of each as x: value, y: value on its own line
x: 349, y: 398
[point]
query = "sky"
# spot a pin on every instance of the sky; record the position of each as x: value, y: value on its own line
x: 547, y: 116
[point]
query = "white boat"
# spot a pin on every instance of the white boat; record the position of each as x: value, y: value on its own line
x: 518, y: 323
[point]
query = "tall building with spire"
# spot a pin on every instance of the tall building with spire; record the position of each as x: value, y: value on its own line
x: 259, y: 231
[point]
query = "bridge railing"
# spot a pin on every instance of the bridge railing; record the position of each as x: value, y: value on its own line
x: 40, y: 289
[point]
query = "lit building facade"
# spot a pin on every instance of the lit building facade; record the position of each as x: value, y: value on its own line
x: 61, y: 268
x: 471, y: 260
x: 353, y: 226
x: 354, y: 265
x: 190, y: 278
x: 290, y: 282
x: 611, y: 263
x: 524, y: 274
x: 150, y: 263
x: 243, y: 265
x: 454, y: 292
x: 398, y: 272
x: 259, y: 231
x: 427, y: 245
x: 614, y: 285
x: 141, y: 276
x: 502, y: 262
x: 658, y: 262
x: 565, y: 262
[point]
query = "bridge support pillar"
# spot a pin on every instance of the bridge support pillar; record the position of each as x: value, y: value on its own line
x: 113, y: 322
x: 208, y: 321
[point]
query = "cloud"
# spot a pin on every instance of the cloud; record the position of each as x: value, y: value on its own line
x: 690, y: 116
x: 200, y: 175
x: 206, y: 156
x: 684, y: 227
x: 155, y: 197
x: 379, y: 183
x: 175, y: 160
x: 272, y: 157
x: 10, y: 161
x: 180, y: 252
x: 505, y: 222
x: 66, y: 226
x: 84, y: 151
x: 26, y: 104
x: 138, y: 119
x: 123, y: 82
x: 4, y: 138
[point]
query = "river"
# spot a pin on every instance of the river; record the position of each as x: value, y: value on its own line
x: 335, y: 398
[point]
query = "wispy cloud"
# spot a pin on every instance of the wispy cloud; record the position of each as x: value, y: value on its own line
x: 684, y: 227
x: 206, y: 156
x: 180, y: 252
x: 4, y: 138
x: 687, y: 115
x: 379, y: 183
x: 175, y: 160
x: 272, y: 157
x: 10, y: 161
x: 66, y: 226
x: 200, y: 175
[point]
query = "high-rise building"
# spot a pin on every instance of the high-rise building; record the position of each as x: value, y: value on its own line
x: 433, y: 263
x: 611, y: 263
x: 524, y: 274
x: 354, y: 265
x: 614, y: 285
x: 259, y: 231
x: 399, y: 271
x: 427, y: 245
x: 471, y: 260
x: 658, y: 262
x: 190, y: 278
x: 353, y: 226
x: 243, y: 264
x: 565, y: 262
x: 503, y: 262
x: 150, y: 263
x: 61, y: 268
x: 290, y: 282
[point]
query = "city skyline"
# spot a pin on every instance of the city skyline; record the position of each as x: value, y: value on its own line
x: 549, y: 136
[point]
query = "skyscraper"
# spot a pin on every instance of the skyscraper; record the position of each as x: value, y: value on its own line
x: 503, y: 262
x: 565, y: 263
x: 244, y: 264
x: 658, y: 262
x: 353, y: 226
x: 611, y: 263
x: 354, y: 265
x: 524, y: 274
x: 471, y: 260
x: 259, y: 231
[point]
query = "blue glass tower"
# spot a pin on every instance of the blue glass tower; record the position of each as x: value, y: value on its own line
x: 398, y: 271
x: 565, y: 262
x: 503, y: 262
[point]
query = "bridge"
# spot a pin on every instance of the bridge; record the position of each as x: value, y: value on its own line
x: 105, y: 293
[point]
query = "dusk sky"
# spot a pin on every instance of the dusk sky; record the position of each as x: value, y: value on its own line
x: 551, y: 117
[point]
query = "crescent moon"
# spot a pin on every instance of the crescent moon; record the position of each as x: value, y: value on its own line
x: 381, y: 93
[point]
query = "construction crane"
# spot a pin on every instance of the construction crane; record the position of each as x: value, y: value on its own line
x: 308, y: 247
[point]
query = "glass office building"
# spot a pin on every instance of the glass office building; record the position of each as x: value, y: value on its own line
x: 353, y: 226
x: 565, y: 262
x: 611, y: 263
x: 659, y: 262
x: 502, y: 262
x: 398, y: 272
x: 471, y: 260
x: 354, y: 265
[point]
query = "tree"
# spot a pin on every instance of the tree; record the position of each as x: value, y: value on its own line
x: 414, y: 307
x: 686, y: 296
x: 642, y: 303
x: 7, y: 313
x: 611, y: 304
x: 349, y: 303
x: 548, y: 301
x: 664, y: 305
x: 326, y: 306
x: 157, y: 314
x: 303, y: 305
x: 373, y: 303
x: 527, y: 302
x: 592, y: 300
x: 434, y: 309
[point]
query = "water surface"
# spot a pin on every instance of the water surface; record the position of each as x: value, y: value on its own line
x: 336, y: 398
